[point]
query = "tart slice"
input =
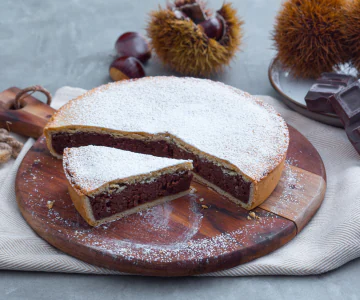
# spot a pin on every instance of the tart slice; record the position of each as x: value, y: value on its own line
x: 106, y: 184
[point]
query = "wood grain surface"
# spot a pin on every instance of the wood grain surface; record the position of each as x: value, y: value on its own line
x: 178, y: 238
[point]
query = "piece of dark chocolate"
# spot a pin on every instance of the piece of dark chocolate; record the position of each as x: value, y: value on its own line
x: 335, y: 78
x: 346, y: 104
x: 317, y: 99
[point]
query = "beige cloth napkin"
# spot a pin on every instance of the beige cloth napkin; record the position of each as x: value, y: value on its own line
x: 331, y: 239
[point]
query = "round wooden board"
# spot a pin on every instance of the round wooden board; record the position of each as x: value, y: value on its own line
x: 201, y: 232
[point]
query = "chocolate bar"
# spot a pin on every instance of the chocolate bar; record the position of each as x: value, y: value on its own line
x: 317, y: 99
x: 336, y: 79
x: 346, y: 104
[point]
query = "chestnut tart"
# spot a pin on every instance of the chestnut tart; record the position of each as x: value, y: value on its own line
x: 237, y: 143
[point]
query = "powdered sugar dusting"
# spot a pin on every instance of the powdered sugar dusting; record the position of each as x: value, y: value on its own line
x: 291, y: 194
x: 191, y: 248
x: 93, y: 166
x: 292, y: 180
x: 217, y: 119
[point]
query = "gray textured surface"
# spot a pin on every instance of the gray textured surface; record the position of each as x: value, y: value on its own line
x: 70, y: 42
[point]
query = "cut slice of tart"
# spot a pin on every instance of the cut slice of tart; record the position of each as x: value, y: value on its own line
x: 106, y: 184
x: 237, y: 143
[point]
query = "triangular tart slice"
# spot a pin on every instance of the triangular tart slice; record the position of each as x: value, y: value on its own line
x: 106, y: 184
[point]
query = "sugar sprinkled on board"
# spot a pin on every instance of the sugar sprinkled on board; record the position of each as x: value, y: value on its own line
x: 292, y: 180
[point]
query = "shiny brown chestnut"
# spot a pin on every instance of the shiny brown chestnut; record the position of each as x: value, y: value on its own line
x: 126, y: 68
x: 194, y: 12
x: 180, y: 15
x: 133, y: 44
x: 213, y: 27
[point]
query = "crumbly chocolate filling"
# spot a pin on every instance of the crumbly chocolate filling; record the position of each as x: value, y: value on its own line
x: 107, y: 204
x: 235, y: 185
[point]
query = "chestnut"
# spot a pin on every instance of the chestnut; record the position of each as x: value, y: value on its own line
x: 133, y: 44
x: 214, y: 27
x: 126, y: 68
x: 194, y: 12
x: 180, y: 15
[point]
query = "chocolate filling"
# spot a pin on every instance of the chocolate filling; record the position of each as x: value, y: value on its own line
x: 107, y: 204
x: 235, y: 185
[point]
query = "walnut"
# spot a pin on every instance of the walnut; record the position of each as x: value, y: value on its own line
x: 11, y: 143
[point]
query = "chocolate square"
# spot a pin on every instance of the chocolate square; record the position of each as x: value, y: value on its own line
x: 337, y: 79
x: 325, y: 86
x: 317, y: 99
x: 346, y: 104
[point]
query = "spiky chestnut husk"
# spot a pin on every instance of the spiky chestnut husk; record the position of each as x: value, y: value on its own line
x: 309, y: 36
x: 352, y: 32
x: 182, y: 45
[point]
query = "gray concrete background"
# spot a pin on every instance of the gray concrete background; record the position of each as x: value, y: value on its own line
x: 70, y: 42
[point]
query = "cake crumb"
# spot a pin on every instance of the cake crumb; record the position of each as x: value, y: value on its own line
x: 201, y: 199
x: 204, y: 206
x: 249, y: 218
x: 252, y: 215
x: 193, y: 190
x: 50, y: 204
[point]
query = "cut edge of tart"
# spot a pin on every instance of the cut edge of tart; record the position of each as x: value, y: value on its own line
x: 106, y: 184
x: 238, y: 143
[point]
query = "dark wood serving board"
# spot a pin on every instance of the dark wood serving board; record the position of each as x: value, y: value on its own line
x: 201, y: 232
x: 180, y: 237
